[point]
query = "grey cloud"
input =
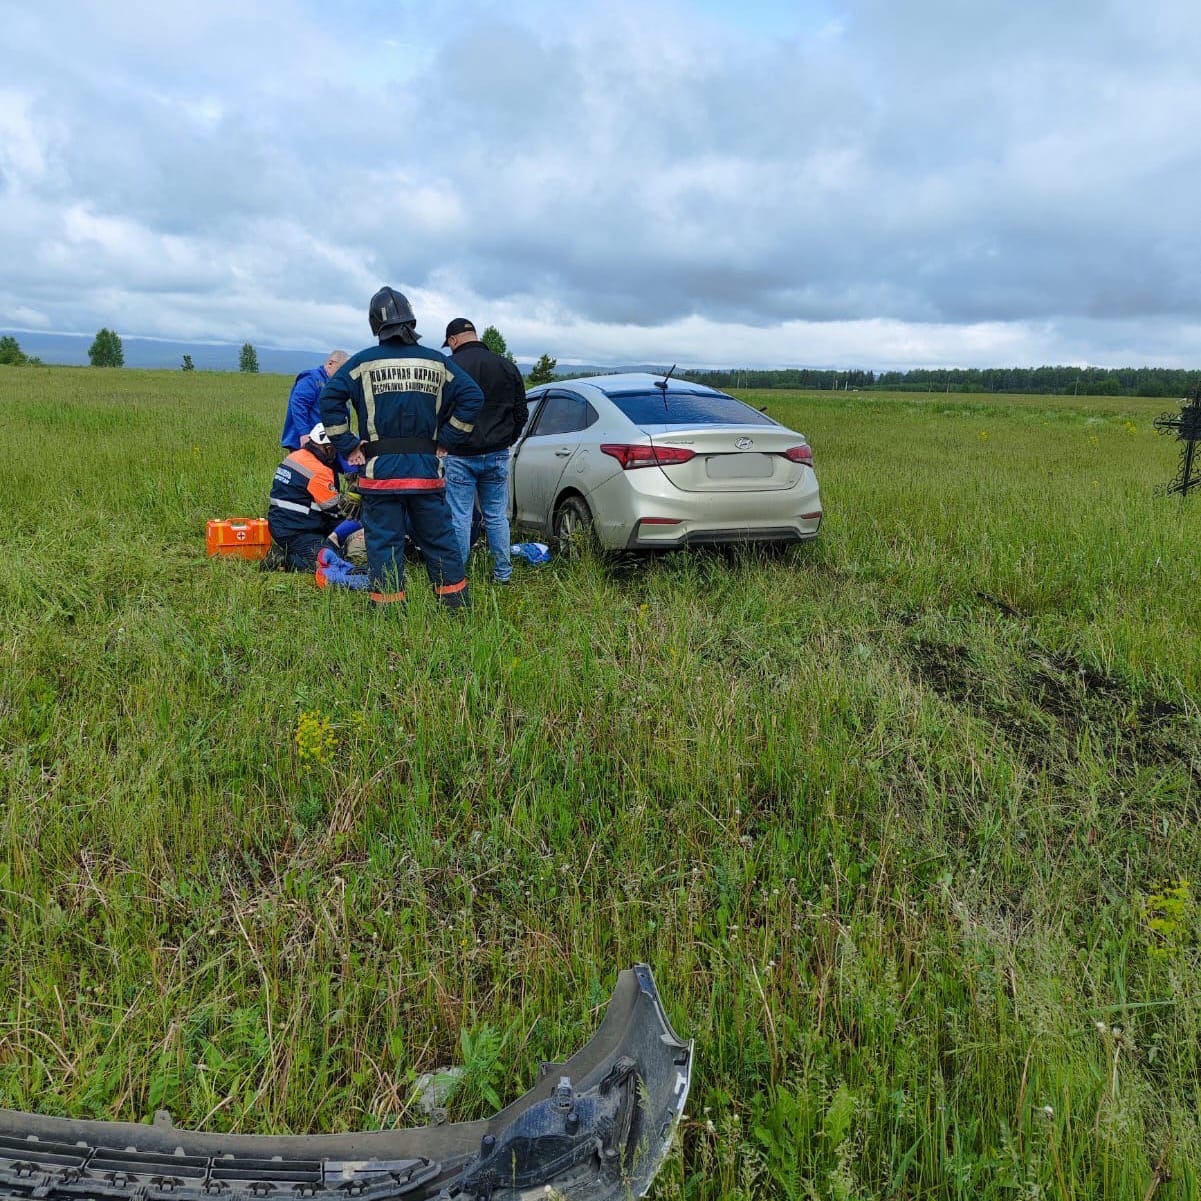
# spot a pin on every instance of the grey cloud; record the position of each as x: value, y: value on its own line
x: 932, y: 162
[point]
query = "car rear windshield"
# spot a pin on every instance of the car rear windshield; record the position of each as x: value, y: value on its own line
x: 693, y: 408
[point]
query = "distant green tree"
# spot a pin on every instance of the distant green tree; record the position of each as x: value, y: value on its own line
x: 11, y: 354
x: 495, y: 342
x: 106, y: 350
x: 543, y: 371
x: 249, y: 362
x: 187, y: 364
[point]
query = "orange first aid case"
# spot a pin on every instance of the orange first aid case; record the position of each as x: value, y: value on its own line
x: 242, y: 537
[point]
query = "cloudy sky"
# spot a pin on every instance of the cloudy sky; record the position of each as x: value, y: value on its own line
x: 868, y: 183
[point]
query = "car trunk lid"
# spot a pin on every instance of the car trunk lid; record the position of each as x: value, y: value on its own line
x: 730, y: 458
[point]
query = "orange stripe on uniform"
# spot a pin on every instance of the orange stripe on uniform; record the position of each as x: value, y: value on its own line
x: 386, y: 598
x: 450, y: 589
x: 417, y: 484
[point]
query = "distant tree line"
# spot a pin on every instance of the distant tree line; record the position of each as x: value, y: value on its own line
x: 1169, y: 383
x: 791, y: 377
x: 1053, y: 381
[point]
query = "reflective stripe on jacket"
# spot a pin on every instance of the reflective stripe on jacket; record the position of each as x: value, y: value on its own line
x: 304, y: 497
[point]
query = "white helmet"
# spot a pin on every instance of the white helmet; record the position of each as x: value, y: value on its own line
x: 317, y: 434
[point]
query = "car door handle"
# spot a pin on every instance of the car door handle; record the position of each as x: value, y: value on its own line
x: 562, y: 452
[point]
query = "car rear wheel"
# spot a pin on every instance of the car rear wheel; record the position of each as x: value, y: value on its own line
x: 572, y: 527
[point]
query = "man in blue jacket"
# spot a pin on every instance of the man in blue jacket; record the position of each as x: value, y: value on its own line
x: 411, y: 406
x: 304, y: 412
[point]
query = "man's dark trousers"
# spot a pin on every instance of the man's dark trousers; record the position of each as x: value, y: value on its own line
x: 425, y: 517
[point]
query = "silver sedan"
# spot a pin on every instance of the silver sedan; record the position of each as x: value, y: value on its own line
x: 652, y: 464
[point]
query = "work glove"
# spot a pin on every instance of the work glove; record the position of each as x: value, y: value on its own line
x: 348, y: 507
x: 335, y: 572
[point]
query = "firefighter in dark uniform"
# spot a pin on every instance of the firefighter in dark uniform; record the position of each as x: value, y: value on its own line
x: 410, y: 405
x: 306, y: 510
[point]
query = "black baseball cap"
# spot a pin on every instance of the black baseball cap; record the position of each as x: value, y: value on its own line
x: 460, y: 325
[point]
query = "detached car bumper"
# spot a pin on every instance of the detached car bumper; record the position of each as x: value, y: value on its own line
x: 595, y: 1128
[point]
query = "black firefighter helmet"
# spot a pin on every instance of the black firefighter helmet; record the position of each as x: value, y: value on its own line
x: 392, y: 316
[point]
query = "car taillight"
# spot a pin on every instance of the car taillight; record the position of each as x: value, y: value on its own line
x: 799, y: 454
x: 631, y: 456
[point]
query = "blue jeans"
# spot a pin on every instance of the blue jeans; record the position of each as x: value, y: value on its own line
x: 488, y: 475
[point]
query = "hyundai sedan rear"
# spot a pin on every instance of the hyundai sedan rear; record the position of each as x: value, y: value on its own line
x: 650, y: 463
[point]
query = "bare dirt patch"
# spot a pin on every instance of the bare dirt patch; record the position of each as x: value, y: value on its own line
x: 1047, y: 701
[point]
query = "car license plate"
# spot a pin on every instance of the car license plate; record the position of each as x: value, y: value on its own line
x: 749, y: 466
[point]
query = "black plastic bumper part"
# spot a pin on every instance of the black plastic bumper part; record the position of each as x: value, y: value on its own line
x: 595, y: 1128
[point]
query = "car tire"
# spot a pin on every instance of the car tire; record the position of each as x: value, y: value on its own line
x: 572, y: 527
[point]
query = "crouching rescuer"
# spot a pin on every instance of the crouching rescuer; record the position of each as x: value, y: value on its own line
x: 306, y: 511
x: 409, y: 402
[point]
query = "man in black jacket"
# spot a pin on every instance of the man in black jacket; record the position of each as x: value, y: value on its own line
x: 479, y: 464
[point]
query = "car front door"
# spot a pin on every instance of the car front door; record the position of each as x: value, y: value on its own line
x: 543, y: 455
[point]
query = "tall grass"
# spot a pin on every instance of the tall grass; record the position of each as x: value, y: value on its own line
x: 895, y: 817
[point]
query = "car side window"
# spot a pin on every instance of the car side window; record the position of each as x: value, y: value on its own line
x: 534, y: 408
x: 563, y: 414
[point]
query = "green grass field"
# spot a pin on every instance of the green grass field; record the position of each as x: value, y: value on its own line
x: 905, y: 821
